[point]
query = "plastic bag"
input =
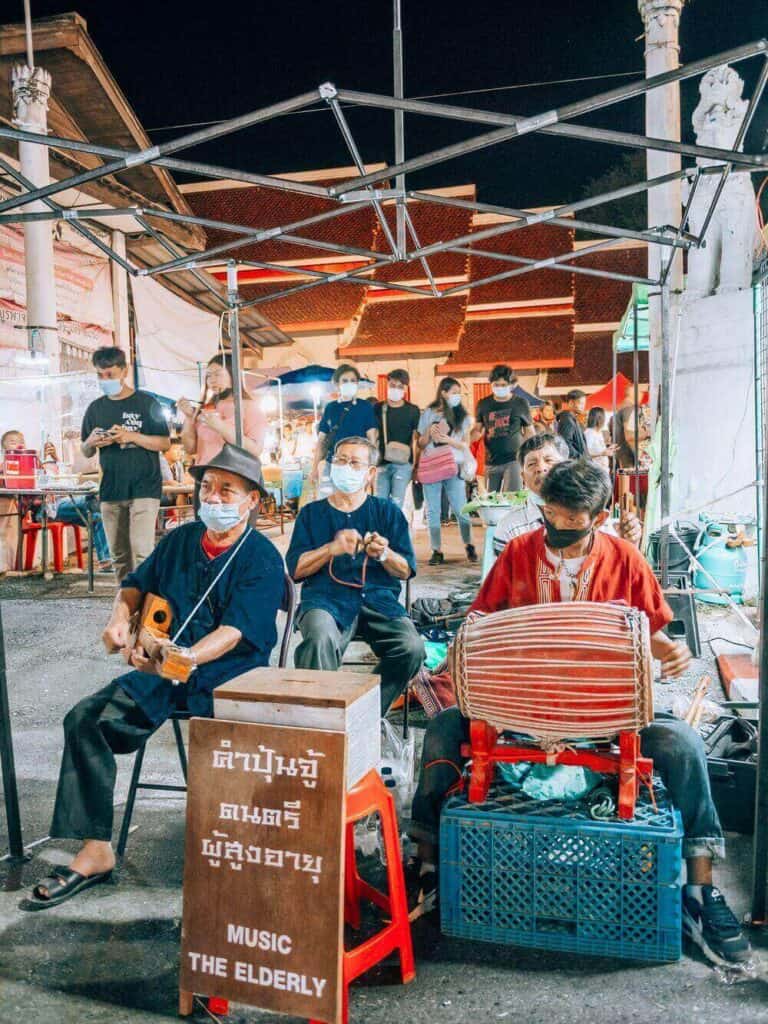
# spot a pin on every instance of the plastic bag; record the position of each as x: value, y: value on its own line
x: 397, y: 765
x: 551, y: 782
x: 435, y: 654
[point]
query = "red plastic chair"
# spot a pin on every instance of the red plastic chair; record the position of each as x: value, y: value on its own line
x: 30, y: 530
x: 370, y: 796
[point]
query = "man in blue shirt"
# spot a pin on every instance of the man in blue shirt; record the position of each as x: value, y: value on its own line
x: 224, y: 583
x: 350, y: 416
x: 351, y: 551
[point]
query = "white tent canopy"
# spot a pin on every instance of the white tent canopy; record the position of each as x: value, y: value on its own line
x: 174, y: 340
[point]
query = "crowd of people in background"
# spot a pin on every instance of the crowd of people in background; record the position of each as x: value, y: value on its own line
x: 437, y: 454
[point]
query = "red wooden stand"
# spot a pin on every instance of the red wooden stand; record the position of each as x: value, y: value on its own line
x: 485, y: 751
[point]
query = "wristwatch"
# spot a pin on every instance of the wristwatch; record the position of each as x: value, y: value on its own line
x: 384, y: 555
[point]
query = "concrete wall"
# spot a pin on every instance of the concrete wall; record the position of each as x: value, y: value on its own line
x: 713, y: 410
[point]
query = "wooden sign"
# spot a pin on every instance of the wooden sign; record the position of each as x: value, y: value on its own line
x: 262, y: 921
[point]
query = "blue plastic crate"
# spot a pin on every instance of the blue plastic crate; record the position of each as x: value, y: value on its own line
x: 545, y: 875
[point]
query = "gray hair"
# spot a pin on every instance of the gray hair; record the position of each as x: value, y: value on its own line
x: 363, y: 442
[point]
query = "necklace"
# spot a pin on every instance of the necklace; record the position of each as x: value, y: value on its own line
x: 571, y: 576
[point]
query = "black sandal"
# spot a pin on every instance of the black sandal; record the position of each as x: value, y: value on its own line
x: 61, y: 886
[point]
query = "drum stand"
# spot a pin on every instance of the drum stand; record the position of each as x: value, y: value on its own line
x: 485, y: 751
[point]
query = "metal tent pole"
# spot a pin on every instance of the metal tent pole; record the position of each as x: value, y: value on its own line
x: 760, y: 845
x: 636, y: 379
x: 665, y: 436
x: 234, y: 345
x: 13, y: 819
x: 399, y: 91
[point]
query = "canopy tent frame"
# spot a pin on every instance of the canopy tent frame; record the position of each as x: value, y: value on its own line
x: 361, y: 190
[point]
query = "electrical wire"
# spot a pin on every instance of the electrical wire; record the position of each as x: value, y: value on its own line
x: 426, y: 96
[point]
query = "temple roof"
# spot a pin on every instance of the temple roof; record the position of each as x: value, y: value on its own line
x: 593, y: 364
x: 400, y: 326
x: 526, y: 343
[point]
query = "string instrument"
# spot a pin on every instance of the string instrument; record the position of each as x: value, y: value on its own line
x: 150, y: 628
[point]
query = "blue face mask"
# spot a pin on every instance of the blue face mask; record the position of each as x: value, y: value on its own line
x: 110, y: 387
x: 346, y: 479
x: 221, y: 518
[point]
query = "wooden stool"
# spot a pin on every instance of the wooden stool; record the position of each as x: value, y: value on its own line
x: 370, y: 796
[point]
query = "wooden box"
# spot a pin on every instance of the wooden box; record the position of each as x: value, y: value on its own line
x: 345, y: 702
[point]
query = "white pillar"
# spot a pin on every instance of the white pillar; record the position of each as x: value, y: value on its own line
x: 661, y: 19
x: 120, y: 295
x: 31, y: 88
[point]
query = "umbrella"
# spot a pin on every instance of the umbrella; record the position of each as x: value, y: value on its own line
x: 532, y: 400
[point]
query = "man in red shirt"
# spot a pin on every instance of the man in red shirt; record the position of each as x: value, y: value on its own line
x: 568, y: 559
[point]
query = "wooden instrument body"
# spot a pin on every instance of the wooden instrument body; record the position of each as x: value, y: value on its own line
x: 152, y: 631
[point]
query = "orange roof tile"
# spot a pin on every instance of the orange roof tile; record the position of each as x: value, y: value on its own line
x: 332, y: 305
x: 535, y: 242
x: 524, y: 343
x: 593, y: 364
x: 269, y: 208
x: 409, y: 325
x: 600, y: 300
x: 432, y: 224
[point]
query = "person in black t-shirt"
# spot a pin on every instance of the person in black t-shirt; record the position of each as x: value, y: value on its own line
x: 128, y: 430
x: 568, y: 425
x: 504, y: 421
x: 398, y: 424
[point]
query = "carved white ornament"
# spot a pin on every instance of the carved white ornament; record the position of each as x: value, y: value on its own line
x: 662, y: 20
x: 725, y: 264
x: 31, y: 89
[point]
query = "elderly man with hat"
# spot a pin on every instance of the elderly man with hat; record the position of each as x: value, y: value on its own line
x: 224, y: 583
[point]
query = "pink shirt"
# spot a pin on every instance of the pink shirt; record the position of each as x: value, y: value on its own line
x: 210, y: 442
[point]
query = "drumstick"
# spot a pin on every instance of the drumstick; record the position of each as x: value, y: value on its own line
x: 627, y: 502
x: 695, y: 709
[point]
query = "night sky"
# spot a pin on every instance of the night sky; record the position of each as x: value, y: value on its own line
x: 177, y: 65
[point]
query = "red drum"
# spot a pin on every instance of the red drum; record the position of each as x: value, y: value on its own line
x: 576, y: 670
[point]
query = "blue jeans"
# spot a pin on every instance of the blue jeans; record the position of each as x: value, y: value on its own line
x: 456, y: 492
x: 392, y: 481
x: 504, y: 477
x: 677, y: 753
x: 68, y: 511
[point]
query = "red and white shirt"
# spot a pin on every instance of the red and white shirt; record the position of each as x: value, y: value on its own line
x: 614, y: 570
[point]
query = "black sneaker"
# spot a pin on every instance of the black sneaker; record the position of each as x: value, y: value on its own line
x: 712, y: 925
x: 471, y: 554
x: 436, y: 558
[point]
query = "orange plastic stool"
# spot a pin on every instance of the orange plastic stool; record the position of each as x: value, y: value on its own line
x: 30, y: 529
x: 370, y: 796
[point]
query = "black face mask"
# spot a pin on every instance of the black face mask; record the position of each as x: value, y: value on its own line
x: 559, y: 539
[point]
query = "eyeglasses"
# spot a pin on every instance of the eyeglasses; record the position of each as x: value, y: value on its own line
x: 339, y: 460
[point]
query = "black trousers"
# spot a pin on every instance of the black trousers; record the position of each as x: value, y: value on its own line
x: 108, y: 722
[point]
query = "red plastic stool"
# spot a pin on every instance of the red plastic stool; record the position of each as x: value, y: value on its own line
x: 30, y: 529
x: 370, y: 796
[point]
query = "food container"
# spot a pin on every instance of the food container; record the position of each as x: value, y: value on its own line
x: 492, y: 515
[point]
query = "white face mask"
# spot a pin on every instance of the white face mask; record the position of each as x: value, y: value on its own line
x: 502, y: 390
x: 348, y: 389
x: 395, y: 394
x: 453, y: 400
